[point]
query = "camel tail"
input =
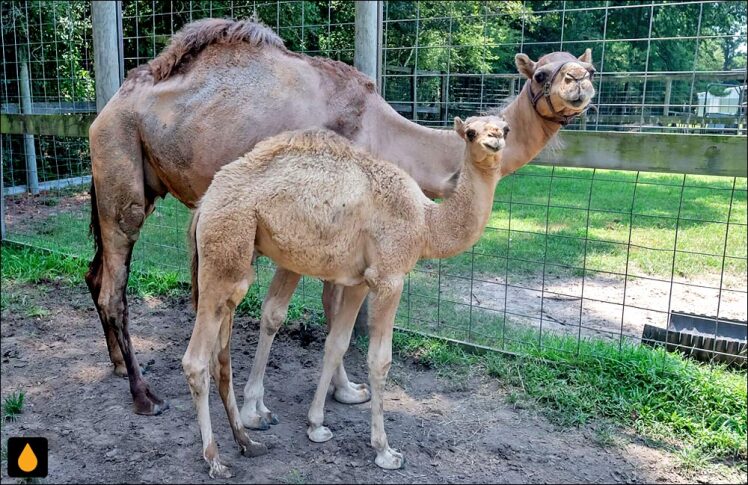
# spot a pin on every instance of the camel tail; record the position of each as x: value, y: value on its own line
x: 94, y: 229
x: 193, y: 247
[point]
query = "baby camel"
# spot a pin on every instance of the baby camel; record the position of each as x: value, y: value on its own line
x: 358, y: 221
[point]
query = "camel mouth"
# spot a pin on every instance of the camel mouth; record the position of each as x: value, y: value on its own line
x: 494, y: 147
x: 577, y: 103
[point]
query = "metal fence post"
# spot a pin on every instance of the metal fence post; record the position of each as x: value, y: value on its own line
x: 32, y: 177
x: 106, y: 37
x: 2, y: 196
x: 367, y: 59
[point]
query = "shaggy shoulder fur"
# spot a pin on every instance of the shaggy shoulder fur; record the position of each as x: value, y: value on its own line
x: 196, y: 36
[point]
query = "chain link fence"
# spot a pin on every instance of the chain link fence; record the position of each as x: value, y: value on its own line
x: 571, y: 257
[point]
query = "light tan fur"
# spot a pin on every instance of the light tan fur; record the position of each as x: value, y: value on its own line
x: 219, y: 88
x: 533, y: 132
x: 359, y: 222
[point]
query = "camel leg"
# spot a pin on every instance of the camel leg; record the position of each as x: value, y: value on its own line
x: 381, y: 321
x: 222, y: 374
x: 120, y: 202
x: 94, y: 281
x: 214, y: 313
x: 254, y: 414
x: 335, y: 347
x: 107, y: 280
x: 346, y: 392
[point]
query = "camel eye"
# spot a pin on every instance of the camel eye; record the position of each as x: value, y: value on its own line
x: 540, y: 76
x: 506, y: 131
x: 470, y: 134
x: 591, y: 71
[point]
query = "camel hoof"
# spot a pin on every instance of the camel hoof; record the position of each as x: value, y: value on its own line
x: 120, y: 370
x: 219, y: 470
x: 389, y: 459
x: 319, y: 434
x: 352, y: 393
x: 150, y: 408
x: 272, y: 419
x: 254, y: 449
x: 255, y: 422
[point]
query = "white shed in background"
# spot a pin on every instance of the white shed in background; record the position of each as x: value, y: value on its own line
x: 726, y: 104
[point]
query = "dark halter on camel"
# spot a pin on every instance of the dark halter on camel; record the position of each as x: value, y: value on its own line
x: 546, y: 93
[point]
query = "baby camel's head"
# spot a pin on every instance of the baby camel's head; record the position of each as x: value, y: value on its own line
x: 485, y: 137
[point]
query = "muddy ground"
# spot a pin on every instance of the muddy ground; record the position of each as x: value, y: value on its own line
x: 450, y: 429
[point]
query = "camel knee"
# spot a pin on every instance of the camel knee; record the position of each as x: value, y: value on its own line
x: 130, y: 219
x: 379, y: 368
x: 113, y: 307
x: 196, y: 373
x: 273, y: 316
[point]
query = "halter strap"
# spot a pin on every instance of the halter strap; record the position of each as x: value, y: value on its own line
x: 557, y: 117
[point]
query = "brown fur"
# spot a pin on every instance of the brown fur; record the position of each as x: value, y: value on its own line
x: 211, y: 96
x: 196, y: 36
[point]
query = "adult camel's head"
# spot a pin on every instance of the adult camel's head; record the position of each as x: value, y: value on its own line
x: 559, y: 84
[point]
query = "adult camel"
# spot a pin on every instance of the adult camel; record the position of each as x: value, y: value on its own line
x: 220, y: 87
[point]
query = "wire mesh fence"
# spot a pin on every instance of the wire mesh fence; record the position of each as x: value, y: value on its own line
x: 571, y: 257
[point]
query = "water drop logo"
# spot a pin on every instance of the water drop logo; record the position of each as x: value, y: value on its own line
x: 27, y: 462
x: 27, y: 457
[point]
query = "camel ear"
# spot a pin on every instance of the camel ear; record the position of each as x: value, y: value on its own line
x: 587, y: 56
x: 460, y: 127
x: 525, y: 65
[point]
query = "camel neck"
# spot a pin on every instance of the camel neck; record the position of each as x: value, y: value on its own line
x: 530, y: 133
x: 457, y: 223
x: 431, y: 156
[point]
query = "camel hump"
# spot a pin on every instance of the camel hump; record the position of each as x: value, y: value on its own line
x: 196, y: 36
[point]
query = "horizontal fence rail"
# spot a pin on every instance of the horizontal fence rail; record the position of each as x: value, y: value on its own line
x: 647, y: 152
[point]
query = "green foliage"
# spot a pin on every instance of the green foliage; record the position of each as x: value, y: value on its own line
x: 13, y: 405
x: 59, y: 49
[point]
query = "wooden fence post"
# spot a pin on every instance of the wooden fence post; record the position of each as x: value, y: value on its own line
x: 367, y: 59
x: 668, y: 91
x: 32, y: 177
x: 366, y: 48
x: 107, y: 56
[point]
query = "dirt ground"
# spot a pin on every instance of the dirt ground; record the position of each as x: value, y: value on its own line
x: 450, y: 430
x: 602, y: 314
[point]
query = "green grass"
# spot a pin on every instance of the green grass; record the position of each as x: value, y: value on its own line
x: 13, y: 405
x: 518, y: 230
x: 30, y: 265
x: 696, y: 410
x: 522, y: 228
